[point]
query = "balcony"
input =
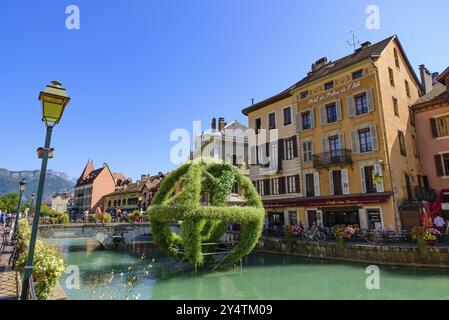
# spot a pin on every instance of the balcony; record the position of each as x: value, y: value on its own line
x: 332, y: 158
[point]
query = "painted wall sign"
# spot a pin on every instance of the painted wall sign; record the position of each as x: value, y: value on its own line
x: 335, y: 92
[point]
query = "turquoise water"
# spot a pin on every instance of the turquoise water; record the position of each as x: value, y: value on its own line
x: 146, y: 274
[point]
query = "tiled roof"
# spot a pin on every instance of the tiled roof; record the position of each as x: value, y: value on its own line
x: 371, y: 51
x: 90, y: 178
x: 131, y: 188
x: 438, y: 93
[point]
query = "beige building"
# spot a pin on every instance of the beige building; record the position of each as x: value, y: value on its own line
x: 346, y: 152
x: 60, y: 202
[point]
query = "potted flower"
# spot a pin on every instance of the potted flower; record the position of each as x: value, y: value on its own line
x: 342, y: 232
x: 431, y: 236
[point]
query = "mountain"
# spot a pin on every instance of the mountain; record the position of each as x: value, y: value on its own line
x: 54, y: 182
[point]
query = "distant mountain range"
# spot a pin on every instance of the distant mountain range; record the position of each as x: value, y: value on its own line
x: 54, y: 182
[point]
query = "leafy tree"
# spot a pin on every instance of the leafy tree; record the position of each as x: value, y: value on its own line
x: 9, y: 202
x: 45, y: 210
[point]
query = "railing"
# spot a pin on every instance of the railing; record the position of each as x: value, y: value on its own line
x: 331, y: 158
x: 32, y: 290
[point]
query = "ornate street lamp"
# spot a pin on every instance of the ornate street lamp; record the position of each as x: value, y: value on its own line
x: 22, y: 185
x: 54, y: 99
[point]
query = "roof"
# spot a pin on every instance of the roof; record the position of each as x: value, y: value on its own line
x: 442, y: 77
x: 90, y: 177
x: 372, y: 51
x: 438, y: 93
x: 132, y: 187
x: 118, y: 176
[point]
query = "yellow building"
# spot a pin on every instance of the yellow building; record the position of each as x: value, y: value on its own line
x: 354, y: 158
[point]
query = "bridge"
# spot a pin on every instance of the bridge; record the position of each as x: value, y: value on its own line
x: 109, y: 235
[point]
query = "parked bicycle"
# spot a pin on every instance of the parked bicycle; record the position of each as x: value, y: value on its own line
x: 313, y: 234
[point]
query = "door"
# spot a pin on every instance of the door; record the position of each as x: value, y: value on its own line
x: 312, y: 217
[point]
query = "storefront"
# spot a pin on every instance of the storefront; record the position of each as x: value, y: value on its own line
x: 367, y: 211
x: 445, y: 203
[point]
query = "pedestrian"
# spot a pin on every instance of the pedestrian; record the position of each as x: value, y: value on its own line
x: 438, y: 221
x: 125, y: 216
x: 116, y: 215
x: 2, y: 217
x: 86, y: 216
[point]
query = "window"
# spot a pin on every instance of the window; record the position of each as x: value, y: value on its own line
x: 402, y: 143
x: 307, y: 151
x: 275, y: 186
x: 407, y: 88
x: 260, y: 185
x: 415, y: 147
x: 293, y: 217
x: 257, y: 124
x: 310, y: 185
x: 396, y: 57
x: 287, y: 116
x: 395, y: 107
x: 334, y: 147
x: 408, y: 187
x: 442, y: 164
x: 328, y: 85
x: 304, y: 94
x: 234, y: 160
x: 361, y: 104
x: 306, y: 120
x: 292, y: 184
x: 357, y: 74
x: 272, y: 121
x: 331, y: 113
x: 365, y: 140
x: 390, y: 72
x: 109, y: 203
x: 412, y: 116
x: 337, y: 182
x: 290, y: 148
x: 440, y: 126
x: 369, y: 179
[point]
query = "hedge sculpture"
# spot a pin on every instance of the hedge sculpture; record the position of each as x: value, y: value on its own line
x: 204, y: 224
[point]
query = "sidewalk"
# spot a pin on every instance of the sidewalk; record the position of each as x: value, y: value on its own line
x: 8, y: 277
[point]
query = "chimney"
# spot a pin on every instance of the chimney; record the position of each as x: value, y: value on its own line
x: 434, y: 78
x: 252, y: 101
x: 319, y: 64
x: 214, y: 124
x: 143, y: 178
x: 221, y: 124
x: 426, y: 79
x: 365, y: 45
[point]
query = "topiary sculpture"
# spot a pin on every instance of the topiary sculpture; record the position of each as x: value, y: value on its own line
x: 204, y: 224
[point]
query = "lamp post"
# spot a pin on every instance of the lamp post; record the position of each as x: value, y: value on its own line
x: 22, y: 185
x: 31, y: 203
x: 54, y: 99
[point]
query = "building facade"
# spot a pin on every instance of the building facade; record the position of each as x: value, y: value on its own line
x: 432, y: 123
x: 60, y: 202
x: 347, y: 150
x: 92, y: 186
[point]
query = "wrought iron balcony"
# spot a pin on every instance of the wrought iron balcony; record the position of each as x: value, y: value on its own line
x: 332, y: 158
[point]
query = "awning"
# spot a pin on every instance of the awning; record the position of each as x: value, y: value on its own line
x: 340, y: 209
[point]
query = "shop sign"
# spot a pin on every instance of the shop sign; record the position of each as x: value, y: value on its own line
x: 445, y: 206
x: 335, y: 92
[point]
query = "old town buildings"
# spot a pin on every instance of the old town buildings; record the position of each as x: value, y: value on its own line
x: 432, y: 126
x: 345, y: 151
x: 92, y: 185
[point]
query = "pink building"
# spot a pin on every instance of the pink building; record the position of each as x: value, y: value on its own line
x: 432, y: 130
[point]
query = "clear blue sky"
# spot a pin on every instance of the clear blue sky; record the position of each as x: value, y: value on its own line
x: 137, y: 69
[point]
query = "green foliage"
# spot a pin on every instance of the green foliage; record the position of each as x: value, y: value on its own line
x: 48, y: 265
x: 45, y: 210
x: 204, y: 223
x: 9, y: 202
x: 56, y: 217
x: 135, y: 216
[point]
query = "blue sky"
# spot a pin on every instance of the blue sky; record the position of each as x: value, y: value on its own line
x: 137, y: 69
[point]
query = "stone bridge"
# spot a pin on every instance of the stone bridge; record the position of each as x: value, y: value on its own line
x: 109, y: 234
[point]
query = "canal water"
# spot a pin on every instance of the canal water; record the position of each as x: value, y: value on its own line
x: 144, y: 273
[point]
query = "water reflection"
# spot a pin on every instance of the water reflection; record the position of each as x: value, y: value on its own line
x: 143, y: 273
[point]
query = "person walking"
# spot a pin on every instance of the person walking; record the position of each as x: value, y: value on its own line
x: 2, y: 218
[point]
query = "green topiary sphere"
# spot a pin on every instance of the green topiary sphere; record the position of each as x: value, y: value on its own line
x: 204, y: 224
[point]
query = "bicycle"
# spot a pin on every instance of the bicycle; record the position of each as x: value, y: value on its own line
x: 313, y: 235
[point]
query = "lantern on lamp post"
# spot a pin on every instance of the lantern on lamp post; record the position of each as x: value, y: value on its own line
x: 54, y: 99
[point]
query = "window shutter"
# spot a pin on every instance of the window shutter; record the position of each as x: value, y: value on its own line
x: 325, y: 144
x: 351, y: 106
x: 374, y: 139
x: 355, y: 142
x: 295, y: 147
x: 363, y: 219
x: 312, y: 118
x: 378, y: 173
x: 433, y: 125
x: 280, y: 153
x: 316, y: 183
x: 338, y: 108
x: 345, y: 181
x: 439, y: 165
x: 341, y: 138
x: 370, y: 100
x: 362, y: 179
x: 253, y: 159
x: 323, y: 115
x: 331, y: 183
x: 282, y: 185
x: 297, y: 185
x: 298, y: 121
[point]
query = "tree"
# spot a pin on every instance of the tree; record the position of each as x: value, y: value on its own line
x: 45, y: 210
x: 9, y: 202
